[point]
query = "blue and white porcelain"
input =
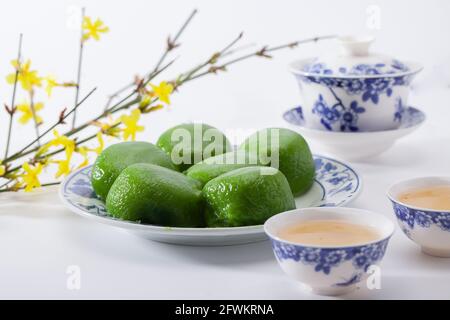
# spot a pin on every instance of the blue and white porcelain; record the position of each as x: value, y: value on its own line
x: 336, y: 184
x: 355, y: 145
x: 430, y: 229
x: 329, y: 270
x: 354, y: 90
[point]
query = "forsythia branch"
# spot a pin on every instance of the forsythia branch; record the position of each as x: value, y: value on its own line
x: 145, y: 97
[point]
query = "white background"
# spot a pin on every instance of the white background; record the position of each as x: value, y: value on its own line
x: 38, y: 241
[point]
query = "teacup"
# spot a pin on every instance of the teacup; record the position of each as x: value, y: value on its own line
x: 329, y: 270
x: 354, y: 90
x: 429, y: 228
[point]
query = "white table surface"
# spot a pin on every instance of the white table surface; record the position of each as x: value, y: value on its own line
x: 40, y: 239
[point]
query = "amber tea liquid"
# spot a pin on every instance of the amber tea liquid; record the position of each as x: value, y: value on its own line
x: 329, y: 233
x: 435, y: 198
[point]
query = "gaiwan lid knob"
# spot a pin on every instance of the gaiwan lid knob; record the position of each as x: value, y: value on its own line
x: 355, y: 46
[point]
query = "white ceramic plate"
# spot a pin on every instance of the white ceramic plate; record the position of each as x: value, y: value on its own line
x: 335, y: 184
x: 356, y: 145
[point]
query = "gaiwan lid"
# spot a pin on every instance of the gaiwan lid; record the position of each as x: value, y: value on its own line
x: 355, y: 60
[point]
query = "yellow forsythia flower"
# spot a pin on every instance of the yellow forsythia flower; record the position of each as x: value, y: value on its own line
x: 26, y: 77
x: 83, y: 151
x: 30, y: 176
x: 63, y: 168
x: 163, y: 91
x: 113, y: 131
x: 51, y: 83
x: 101, y: 144
x: 2, y: 170
x: 27, y: 112
x: 59, y: 141
x: 109, y: 128
x: 93, y: 29
x: 131, y: 124
x: 145, y: 101
x: 154, y: 108
x: 17, y: 185
x: 63, y: 165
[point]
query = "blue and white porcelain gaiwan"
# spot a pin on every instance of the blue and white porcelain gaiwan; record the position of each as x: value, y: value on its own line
x: 354, y: 90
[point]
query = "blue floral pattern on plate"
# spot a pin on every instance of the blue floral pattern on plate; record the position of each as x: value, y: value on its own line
x: 339, y: 182
x: 79, y: 192
x: 411, y: 218
x: 336, y: 179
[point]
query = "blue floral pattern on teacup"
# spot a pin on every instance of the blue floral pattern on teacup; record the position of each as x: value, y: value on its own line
x: 323, y: 260
x: 340, y: 111
x: 400, y: 110
x: 411, y: 218
x: 351, y: 281
x: 374, y: 87
x: 347, y: 116
x: 317, y: 68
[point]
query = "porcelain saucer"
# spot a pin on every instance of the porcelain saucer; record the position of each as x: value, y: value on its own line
x: 356, y: 145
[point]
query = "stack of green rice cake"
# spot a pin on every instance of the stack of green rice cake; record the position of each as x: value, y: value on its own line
x: 191, y: 178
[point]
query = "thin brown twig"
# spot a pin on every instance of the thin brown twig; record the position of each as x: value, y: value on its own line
x: 35, y: 119
x: 5, y: 184
x: 118, y: 105
x: 171, y: 44
x: 115, y: 108
x: 156, y: 73
x: 212, y: 60
x: 231, y: 45
x: 48, y: 184
x: 239, y: 48
x: 57, y: 151
x: 263, y: 52
x: 297, y: 43
x: 60, y: 120
x: 80, y: 62
x: 67, y: 134
x: 13, y: 99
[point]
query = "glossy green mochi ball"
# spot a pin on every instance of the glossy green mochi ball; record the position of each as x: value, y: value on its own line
x: 215, y: 166
x: 286, y: 150
x: 190, y: 143
x: 246, y: 196
x: 117, y: 157
x: 156, y: 195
